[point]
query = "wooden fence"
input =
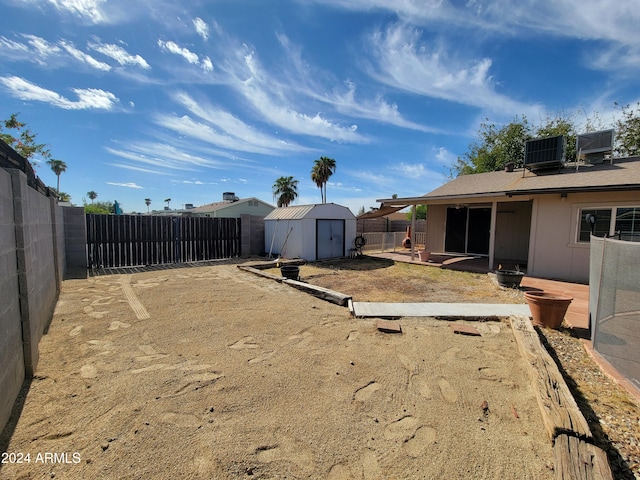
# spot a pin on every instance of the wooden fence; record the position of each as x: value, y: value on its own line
x: 133, y: 240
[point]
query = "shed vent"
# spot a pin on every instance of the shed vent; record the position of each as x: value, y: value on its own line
x: 544, y: 153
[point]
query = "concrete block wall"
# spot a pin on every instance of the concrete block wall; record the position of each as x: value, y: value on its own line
x: 32, y: 264
x: 38, y: 275
x: 12, y: 372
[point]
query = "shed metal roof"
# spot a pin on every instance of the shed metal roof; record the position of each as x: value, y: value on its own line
x: 295, y: 212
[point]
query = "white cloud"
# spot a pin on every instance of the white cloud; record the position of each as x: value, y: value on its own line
x: 201, y: 27
x: 274, y: 102
x: 89, y: 9
x: 83, y: 57
x: 612, y: 22
x: 207, y: 65
x: 139, y: 169
x: 13, y: 46
x: 173, y: 47
x: 162, y: 156
x: 89, y: 98
x: 403, y: 62
x: 119, y: 54
x: 126, y: 185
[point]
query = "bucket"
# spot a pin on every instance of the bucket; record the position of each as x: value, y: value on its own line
x: 509, y: 278
x: 291, y: 272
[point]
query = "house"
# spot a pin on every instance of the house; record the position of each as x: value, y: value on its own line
x: 233, y: 207
x: 536, y: 219
x: 311, y: 232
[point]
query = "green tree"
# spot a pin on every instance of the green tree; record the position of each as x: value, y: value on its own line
x: 421, y: 213
x: 99, y: 208
x: 628, y: 131
x: 25, y: 141
x: 285, y: 189
x: 57, y: 167
x: 361, y: 211
x: 495, y: 147
x: 322, y: 169
x: 92, y: 195
x: 147, y: 202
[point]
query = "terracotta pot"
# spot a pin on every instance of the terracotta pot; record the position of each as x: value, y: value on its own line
x: 509, y: 278
x: 423, y: 255
x: 547, y: 309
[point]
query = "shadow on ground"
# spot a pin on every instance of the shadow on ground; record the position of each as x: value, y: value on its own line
x: 619, y: 467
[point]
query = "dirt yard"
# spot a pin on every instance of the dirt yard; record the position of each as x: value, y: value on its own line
x: 213, y: 372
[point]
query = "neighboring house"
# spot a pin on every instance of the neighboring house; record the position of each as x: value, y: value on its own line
x: 312, y: 232
x: 233, y: 207
x: 535, y: 219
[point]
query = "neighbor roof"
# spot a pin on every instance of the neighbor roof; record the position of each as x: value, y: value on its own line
x: 215, y: 206
x: 621, y: 174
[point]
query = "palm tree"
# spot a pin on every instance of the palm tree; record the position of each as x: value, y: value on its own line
x: 64, y: 197
x: 286, y: 189
x: 147, y: 202
x: 322, y: 169
x: 168, y: 200
x: 57, y: 167
x: 92, y: 195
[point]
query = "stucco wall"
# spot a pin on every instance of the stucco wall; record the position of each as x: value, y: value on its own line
x: 554, y: 251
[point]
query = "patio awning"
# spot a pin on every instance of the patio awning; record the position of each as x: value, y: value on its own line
x: 381, y: 212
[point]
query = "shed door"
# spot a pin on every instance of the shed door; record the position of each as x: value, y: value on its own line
x: 330, y: 238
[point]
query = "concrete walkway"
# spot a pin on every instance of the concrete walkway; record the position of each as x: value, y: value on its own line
x: 462, y: 310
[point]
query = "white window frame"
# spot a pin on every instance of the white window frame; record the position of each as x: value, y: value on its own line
x: 612, y: 221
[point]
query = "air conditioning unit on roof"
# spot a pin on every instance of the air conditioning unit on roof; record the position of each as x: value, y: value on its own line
x: 544, y: 153
x: 593, y: 146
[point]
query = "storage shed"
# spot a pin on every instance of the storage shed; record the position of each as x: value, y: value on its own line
x: 311, y: 232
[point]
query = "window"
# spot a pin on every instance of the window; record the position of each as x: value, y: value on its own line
x: 602, y: 225
x: 611, y: 221
x: 628, y: 223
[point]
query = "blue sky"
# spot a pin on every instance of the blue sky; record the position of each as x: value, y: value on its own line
x: 154, y: 99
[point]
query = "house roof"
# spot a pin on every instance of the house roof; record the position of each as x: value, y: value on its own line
x: 621, y: 174
x: 215, y: 206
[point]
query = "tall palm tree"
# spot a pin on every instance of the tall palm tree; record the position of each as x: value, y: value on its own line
x: 286, y: 190
x: 92, y: 195
x: 168, y: 200
x: 57, y: 167
x: 322, y: 169
x: 147, y: 202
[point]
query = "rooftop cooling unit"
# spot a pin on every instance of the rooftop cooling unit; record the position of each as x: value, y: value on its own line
x: 544, y: 153
x: 592, y: 147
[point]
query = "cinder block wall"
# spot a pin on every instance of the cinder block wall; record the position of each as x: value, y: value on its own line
x: 12, y: 370
x: 32, y: 263
x: 38, y: 275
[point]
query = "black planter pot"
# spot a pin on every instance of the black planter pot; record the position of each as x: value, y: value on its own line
x: 291, y: 272
x: 509, y: 278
